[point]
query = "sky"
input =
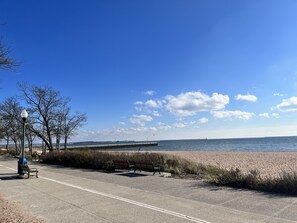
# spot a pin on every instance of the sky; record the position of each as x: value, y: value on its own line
x: 160, y: 69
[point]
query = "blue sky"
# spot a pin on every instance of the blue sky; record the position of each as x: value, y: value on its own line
x: 146, y: 70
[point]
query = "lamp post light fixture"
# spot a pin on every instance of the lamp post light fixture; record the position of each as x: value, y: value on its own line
x: 23, y: 160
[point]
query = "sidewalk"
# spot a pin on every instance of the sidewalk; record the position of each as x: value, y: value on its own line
x: 75, y: 195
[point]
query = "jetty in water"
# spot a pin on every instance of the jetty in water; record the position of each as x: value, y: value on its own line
x: 114, y: 145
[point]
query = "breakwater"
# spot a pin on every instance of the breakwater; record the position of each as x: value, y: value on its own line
x: 114, y: 146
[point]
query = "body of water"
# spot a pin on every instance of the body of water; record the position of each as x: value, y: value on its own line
x: 267, y: 144
x: 271, y: 144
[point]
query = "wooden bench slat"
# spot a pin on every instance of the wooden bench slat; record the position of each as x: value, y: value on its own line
x: 29, y: 170
x: 148, y: 166
x: 123, y: 164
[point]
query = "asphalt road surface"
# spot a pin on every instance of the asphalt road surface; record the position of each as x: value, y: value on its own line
x: 76, y: 195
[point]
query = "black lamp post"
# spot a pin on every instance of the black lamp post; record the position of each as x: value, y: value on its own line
x: 24, y: 116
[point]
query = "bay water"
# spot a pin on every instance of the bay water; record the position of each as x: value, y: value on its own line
x: 265, y: 144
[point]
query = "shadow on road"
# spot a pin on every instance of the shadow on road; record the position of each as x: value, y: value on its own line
x: 10, y: 176
x: 131, y: 175
x: 213, y: 188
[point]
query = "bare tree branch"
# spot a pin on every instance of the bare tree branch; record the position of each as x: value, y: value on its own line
x: 6, y: 62
x: 44, y: 103
x: 10, y: 111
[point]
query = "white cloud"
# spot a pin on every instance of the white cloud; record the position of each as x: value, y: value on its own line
x: 146, y: 107
x: 179, y: 125
x: 105, y: 132
x: 123, y: 130
x: 264, y: 115
x: 203, y: 120
x: 143, y: 129
x: 247, y: 97
x: 138, y: 103
x: 288, y: 105
x: 155, y: 113
x: 275, y: 115
x: 153, y: 128
x: 190, y: 103
x: 150, y: 92
x: 153, y: 104
x: 232, y: 115
x: 132, y: 130
x: 138, y: 108
x: 238, y: 132
x: 278, y: 94
x: 122, y: 123
x: 163, y: 126
x: 139, y: 129
x: 141, y: 119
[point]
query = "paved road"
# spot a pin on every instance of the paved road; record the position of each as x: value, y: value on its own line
x: 75, y: 195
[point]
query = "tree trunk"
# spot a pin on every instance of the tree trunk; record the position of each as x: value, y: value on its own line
x: 41, y: 136
x: 65, y: 143
x: 16, y: 147
x: 29, y: 144
x: 50, y: 142
x: 7, y: 143
x: 58, y: 143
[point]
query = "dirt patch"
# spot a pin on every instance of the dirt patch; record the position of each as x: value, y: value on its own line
x: 13, y: 213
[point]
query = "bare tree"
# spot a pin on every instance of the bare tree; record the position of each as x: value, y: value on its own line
x: 44, y: 104
x: 59, y: 120
x: 6, y: 62
x: 4, y: 133
x: 10, y: 111
x: 2, y: 130
x: 50, y: 116
x: 71, y: 124
x: 30, y: 135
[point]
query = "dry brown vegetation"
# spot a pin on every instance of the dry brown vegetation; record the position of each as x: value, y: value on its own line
x: 179, y: 167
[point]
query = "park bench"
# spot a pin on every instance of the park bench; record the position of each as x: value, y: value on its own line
x: 35, y: 156
x: 149, y: 166
x: 29, y: 170
x: 124, y: 164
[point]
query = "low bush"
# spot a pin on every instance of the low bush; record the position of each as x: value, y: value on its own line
x: 9, y: 152
x: 103, y: 161
x: 285, y: 183
x: 90, y: 160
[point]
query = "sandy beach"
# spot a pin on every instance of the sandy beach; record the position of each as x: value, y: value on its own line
x: 268, y: 163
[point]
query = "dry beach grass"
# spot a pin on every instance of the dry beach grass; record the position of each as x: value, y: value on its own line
x: 271, y: 172
x: 268, y: 163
